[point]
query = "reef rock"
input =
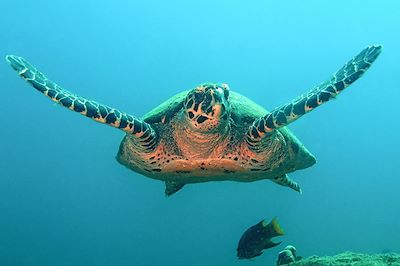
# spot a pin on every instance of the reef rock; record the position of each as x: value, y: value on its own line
x: 350, y: 259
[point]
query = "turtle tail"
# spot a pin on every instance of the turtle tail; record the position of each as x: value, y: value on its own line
x: 141, y: 130
x: 324, y: 92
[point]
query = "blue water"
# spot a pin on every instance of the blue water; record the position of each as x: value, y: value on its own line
x: 64, y: 200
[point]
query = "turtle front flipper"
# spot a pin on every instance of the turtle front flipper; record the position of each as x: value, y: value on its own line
x: 286, y: 114
x: 143, y: 132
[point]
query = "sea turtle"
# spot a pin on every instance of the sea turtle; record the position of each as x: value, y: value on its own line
x: 209, y: 133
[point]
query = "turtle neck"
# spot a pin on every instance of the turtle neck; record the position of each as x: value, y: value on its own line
x: 197, y: 144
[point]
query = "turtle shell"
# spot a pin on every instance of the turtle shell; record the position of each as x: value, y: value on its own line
x: 243, y: 113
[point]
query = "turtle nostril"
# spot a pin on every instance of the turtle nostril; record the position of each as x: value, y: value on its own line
x: 190, y: 114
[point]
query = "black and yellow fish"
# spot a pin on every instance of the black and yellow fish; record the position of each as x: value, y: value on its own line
x: 257, y: 238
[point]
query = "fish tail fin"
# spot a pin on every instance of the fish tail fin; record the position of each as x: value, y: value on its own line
x: 273, y: 228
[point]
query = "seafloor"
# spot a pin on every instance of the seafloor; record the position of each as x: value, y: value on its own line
x: 350, y: 259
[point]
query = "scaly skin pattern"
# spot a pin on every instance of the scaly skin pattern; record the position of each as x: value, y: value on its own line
x: 142, y: 131
x: 321, y: 94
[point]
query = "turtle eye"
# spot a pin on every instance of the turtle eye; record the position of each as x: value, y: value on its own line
x: 226, y: 94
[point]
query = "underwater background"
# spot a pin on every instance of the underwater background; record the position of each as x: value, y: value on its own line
x: 64, y: 199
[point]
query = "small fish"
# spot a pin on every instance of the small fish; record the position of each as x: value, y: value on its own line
x: 257, y: 238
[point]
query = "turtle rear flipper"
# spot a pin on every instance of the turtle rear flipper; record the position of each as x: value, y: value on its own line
x: 171, y: 187
x: 285, y: 181
x: 141, y: 130
x: 285, y: 114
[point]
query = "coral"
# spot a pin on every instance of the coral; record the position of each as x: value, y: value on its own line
x: 287, y: 255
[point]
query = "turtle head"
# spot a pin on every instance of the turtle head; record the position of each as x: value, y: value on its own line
x: 207, y: 107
